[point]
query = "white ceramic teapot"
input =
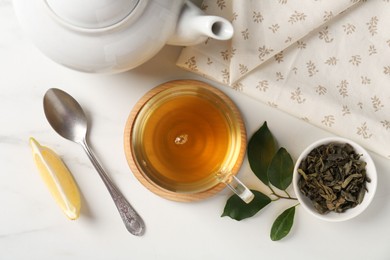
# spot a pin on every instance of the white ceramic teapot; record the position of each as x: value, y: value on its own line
x: 114, y: 35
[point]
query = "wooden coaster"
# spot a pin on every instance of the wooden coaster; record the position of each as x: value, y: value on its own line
x: 167, y: 194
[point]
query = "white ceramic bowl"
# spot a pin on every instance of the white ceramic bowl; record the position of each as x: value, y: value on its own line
x: 350, y: 213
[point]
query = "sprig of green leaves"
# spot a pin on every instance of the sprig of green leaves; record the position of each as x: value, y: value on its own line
x: 261, y: 150
x: 274, y: 167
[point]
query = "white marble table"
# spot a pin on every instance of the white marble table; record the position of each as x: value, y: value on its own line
x: 33, y: 227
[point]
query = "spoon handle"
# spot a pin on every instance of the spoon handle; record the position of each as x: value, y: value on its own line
x: 133, y: 222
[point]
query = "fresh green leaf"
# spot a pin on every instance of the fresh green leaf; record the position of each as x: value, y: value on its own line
x: 280, y: 170
x: 261, y: 150
x: 238, y: 209
x: 283, y: 224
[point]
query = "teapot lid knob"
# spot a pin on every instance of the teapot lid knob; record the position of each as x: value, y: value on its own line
x: 91, y: 14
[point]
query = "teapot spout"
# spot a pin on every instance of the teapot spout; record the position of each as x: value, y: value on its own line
x: 194, y: 27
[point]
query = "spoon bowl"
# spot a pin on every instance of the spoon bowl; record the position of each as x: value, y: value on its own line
x: 67, y: 118
x: 65, y: 115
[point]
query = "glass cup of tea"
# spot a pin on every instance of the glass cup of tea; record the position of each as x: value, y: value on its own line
x: 185, y: 140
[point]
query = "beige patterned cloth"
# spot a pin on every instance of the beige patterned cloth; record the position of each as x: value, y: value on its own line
x: 324, y: 61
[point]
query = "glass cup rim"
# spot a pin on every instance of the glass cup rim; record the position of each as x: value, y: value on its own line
x: 174, y: 89
x: 160, y: 99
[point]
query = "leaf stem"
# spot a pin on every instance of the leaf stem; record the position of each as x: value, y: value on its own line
x: 288, y: 197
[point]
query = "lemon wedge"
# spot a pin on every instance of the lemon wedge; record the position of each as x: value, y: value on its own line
x: 58, y: 179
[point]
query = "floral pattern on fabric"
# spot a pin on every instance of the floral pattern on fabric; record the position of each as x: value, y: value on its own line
x: 326, y: 62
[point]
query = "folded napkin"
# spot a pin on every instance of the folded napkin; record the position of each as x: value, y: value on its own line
x: 324, y: 61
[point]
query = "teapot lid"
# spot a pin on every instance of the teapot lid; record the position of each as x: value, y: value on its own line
x: 92, y: 14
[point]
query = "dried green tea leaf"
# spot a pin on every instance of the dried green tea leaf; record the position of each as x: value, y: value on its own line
x: 261, y: 150
x: 237, y: 209
x: 283, y: 224
x: 280, y: 170
x: 333, y: 177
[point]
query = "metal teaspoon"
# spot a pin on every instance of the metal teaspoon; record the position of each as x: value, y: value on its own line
x: 67, y: 118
